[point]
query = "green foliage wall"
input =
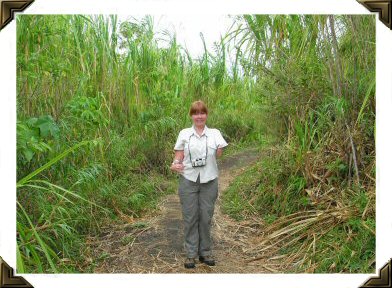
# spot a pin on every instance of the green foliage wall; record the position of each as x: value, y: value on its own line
x: 100, y: 103
x: 95, y: 79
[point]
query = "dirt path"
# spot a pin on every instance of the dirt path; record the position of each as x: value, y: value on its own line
x: 155, y: 244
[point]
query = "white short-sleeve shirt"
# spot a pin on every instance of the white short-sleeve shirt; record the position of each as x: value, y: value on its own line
x: 195, y: 146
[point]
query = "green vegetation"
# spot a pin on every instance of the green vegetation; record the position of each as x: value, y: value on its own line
x: 100, y: 104
x: 317, y: 76
x: 110, y: 91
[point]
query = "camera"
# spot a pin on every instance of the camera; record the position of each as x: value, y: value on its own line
x: 199, y: 162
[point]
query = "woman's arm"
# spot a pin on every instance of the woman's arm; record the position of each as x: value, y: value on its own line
x: 179, y: 155
x: 219, y: 152
x: 221, y: 143
x: 177, y: 162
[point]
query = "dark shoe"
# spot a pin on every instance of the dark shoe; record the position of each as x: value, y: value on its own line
x: 207, y: 260
x: 190, y: 263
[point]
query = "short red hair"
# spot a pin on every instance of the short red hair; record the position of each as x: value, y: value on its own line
x: 198, y: 107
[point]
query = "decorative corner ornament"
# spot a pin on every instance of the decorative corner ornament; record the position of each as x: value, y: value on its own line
x: 383, y: 280
x: 8, y: 9
x: 383, y: 7
x: 7, y: 278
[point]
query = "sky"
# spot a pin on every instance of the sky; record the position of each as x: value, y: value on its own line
x: 188, y: 27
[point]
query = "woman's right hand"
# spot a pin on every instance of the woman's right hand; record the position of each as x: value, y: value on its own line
x: 178, y: 167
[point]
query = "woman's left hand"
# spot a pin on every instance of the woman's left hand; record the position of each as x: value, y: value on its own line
x: 219, y: 151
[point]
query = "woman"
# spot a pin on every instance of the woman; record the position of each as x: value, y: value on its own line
x: 196, y: 150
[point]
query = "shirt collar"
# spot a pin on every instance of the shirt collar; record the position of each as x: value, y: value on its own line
x: 205, y: 131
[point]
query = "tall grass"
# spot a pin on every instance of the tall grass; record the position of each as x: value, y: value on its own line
x: 318, y: 74
x: 111, y: 83
x: 303, y: 83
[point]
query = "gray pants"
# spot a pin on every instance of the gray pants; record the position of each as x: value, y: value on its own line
x: 197, y: 201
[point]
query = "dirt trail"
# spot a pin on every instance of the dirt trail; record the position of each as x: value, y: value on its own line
x: 155, y: 244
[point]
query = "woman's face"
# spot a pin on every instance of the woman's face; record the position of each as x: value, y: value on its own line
x: 199, y: 119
